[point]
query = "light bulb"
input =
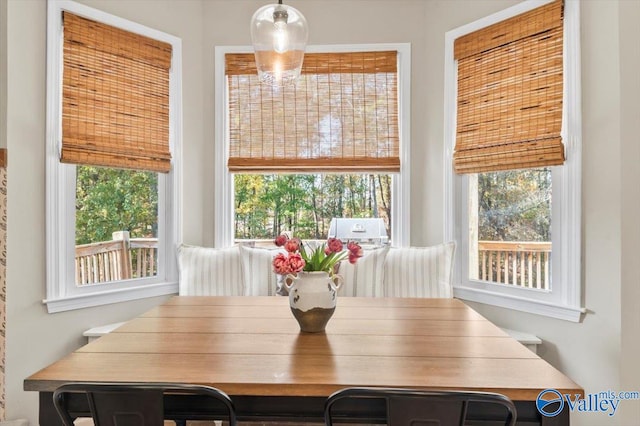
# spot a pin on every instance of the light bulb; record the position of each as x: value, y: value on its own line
x: 280, y: 37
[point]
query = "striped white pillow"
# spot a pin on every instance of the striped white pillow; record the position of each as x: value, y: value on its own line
x: 419, y: 271
x: 260, y: 280
x: 210, y: 272
x: 364, y: 278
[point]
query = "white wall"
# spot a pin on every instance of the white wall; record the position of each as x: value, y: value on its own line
x: 630, y: 177
x: 589, y: 352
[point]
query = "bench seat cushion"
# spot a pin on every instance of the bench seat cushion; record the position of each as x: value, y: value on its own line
x: 364, y: 278
x: 260, y: 280
x: 419, y: 271
x: 205, y: 271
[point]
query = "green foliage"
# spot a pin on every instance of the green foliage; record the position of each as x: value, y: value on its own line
x: 266, y: 205
x: 110, y: 200
x: 515, y: 205
x: 318, y: 260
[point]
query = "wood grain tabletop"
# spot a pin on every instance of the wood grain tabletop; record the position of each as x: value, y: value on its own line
x: 253, y: 346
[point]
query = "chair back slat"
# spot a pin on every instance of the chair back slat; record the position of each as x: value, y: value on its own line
x: 127, y: 407
x: 411, y: 407
x: 421, y: 411
x: 139, y: 404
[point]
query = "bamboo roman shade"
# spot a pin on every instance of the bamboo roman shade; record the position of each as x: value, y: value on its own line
x: 510, y: 93
x: 340, y: 116
x: 115, y: 97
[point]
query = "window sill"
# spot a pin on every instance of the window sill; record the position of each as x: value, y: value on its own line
x: 563, y: 312
x: 110, y: 296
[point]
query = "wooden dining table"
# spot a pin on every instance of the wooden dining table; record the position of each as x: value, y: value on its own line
x: 252, y: 349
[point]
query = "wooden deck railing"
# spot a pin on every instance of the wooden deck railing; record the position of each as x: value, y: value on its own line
x: 523, y: 264
x: 119, y: 259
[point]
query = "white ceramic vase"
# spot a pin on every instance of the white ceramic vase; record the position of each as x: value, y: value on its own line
x: 312, y: 297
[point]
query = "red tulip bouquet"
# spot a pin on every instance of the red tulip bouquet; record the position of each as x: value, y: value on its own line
x: 325, y: 258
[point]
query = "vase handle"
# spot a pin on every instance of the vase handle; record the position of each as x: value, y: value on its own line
x: 336, y: 281
x: 288, y: 281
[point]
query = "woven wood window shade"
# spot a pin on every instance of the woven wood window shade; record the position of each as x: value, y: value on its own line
x: 340, y: 116
x: 115, y: 97
x: 510, y: 93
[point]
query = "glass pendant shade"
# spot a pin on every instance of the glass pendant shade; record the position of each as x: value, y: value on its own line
x: 279, y: 34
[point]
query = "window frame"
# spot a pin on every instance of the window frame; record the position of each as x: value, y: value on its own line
x: 62, y: 294
x: 564, y: 300
x: 400, y: 182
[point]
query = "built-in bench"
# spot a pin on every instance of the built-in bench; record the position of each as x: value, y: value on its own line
x: 527, y: 339
x: 96, y: 332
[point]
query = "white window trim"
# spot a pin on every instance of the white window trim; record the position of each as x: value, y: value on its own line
x: 400, y: 182
x: 564, y: 301
x: 62, y: 294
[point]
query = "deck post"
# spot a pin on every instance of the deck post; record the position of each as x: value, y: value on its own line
x: 125, y: 257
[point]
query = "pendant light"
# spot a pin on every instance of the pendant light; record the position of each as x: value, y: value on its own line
x: 279, y: 34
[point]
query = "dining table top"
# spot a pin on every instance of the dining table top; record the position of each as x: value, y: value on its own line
x: 253, y: 346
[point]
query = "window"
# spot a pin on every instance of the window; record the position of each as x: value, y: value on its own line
x: 304, y: 204
x: 515, y: 206
x: 112, y: 159
x: 116, y: 226
x: 509, y: 237
x: 343, y: 125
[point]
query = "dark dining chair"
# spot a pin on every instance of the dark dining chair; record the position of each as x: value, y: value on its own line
x: 409, y: 407
x: 137, y: 404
